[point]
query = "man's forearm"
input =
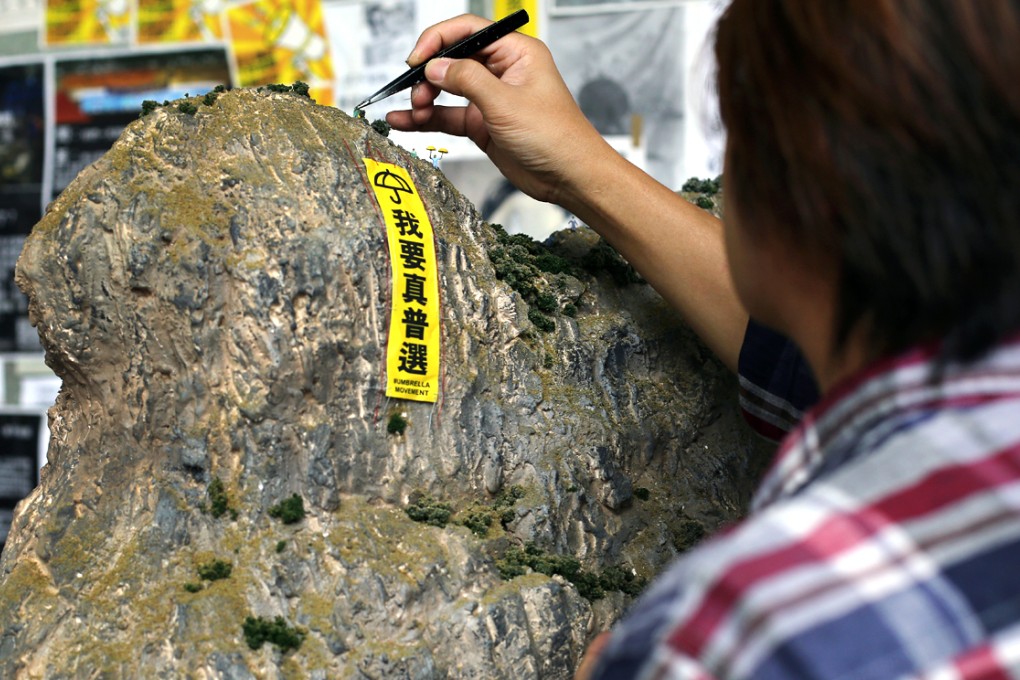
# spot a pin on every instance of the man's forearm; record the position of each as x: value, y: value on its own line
x: 677, y: 247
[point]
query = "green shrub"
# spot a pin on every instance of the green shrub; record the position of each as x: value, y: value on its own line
x: 290, y: 510
x: 428, y: 510
x: 215, y: 570
x: 258, y: 631
x: 702, y: 186
x: 478, y: 521
x: 541, y: 321
x: 219, y: 501
x: 591, y: 586
x: 396, y: 424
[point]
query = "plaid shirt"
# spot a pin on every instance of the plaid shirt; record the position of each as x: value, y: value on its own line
x: 884, y: 543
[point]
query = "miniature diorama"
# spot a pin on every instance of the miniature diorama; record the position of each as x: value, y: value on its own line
x: 229, y: 491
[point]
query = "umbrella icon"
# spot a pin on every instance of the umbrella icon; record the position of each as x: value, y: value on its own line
x: 397, y: 184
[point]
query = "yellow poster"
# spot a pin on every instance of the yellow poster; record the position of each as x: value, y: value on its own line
x: 502, y: 8
x: 87, y: 22
x: 172, y: 21
x: 412, y: 353
x: 280, y: 41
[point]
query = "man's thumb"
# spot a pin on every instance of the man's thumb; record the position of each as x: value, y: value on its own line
x: 464, y: 77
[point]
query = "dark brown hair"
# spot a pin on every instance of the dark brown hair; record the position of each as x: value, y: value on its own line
x: 887, y: 134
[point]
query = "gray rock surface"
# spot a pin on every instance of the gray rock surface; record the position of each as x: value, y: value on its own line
x: 213, y: 293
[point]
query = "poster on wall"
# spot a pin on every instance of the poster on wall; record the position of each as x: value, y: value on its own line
x: 97, y: 96
x: 370, y: 41
x: 87, y: 22
x: 179, y: 21
x: 22, y: 138
x: 21, y: 436
x: 281, y: 41
x: 619, y: 66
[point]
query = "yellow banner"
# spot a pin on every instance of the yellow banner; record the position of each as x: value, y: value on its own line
x: 501, y: 8
x: 412, y: 354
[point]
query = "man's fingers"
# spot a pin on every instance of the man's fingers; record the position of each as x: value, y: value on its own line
x: 467, y: 78
x: 449, y: 119
x: 424, y: 94
x: 444, y: 34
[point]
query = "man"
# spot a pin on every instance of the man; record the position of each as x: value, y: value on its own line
x: 873, y: 217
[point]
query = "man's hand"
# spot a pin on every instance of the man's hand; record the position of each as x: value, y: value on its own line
x: 520, y: 112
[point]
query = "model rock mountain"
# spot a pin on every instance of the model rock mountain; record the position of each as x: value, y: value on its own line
x: 229, y: 493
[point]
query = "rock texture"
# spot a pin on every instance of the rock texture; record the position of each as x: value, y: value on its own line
x: 214, y: 293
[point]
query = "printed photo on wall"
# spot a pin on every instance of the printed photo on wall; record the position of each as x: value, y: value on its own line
x: 87, y: 22
x: 281, y: 41
x: 370, y: 41
x: 97, y: 97
x: 179, y: 21
x: 627, y: 67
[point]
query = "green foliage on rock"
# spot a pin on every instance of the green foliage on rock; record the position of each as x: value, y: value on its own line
x: 703, y: 186
x: 397, y: 424
x: 259, y: 630
x: 430, y: 511
x: 299, y: 88
x: 382, y: 127
x: 591, y: 586
x: 214, y: 570
x: 478, y: 521
x: 219, y: 500
x: 290, y: 510
x: 534, y: 271
x: 478, y: 518
x: 604, y: 258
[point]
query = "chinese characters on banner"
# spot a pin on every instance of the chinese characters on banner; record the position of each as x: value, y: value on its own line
x: 412, y: 354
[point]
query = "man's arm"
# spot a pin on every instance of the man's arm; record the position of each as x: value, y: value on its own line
x: 523, y: 116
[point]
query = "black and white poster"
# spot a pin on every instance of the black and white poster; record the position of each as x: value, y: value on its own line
x: 370, y: 40
x: 622, y: 65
